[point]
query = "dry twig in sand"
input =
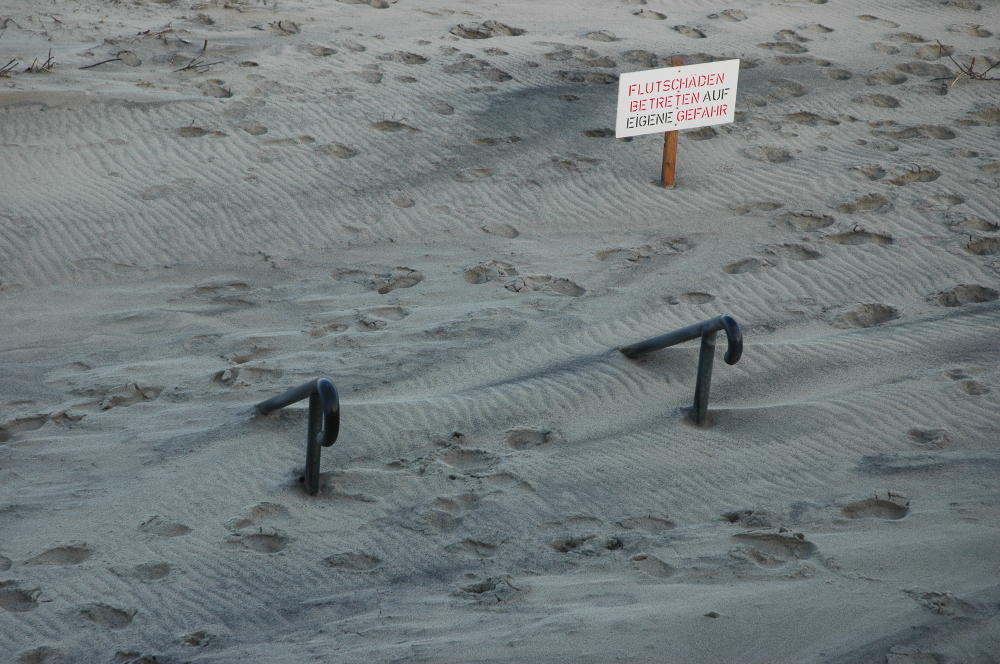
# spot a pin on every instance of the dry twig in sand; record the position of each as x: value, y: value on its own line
x: 128, y: 57
x: 8, y: 68
x: 969, y: 71
x: 44, y: 68
x: 196, y: 64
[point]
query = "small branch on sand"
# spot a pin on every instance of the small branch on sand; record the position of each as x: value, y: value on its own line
x: 8, y: 68
x: 197, y: 64
x: 44, y: 68
x: 128, y: 57
x: 969, y: 70
x: 102, y: 62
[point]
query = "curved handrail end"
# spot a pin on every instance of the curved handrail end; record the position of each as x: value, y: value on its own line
x: 734, y: 335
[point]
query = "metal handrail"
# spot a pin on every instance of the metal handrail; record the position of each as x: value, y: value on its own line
x: 324, y: 421
x: 707, y: 330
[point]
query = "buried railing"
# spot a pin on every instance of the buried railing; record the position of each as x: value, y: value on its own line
x: 324, y: 421
x: 707, y: 331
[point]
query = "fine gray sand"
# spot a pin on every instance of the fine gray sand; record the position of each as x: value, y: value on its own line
x: 424, y: 202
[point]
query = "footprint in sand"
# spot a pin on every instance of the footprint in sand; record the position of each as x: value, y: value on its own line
x: 258, y: 539
x: 71, y: 554
x: 875, y: 508
x: 794, y: 252
x: 594, y: 77
x: 128, y: 395
x: 973, y: 387
x: 956, y: 296
x: 810, y: 119
x: 916, y: 174
x: 374, y: 4
x: 369, y: 76
x: 650, y: 14
x: 145, y: 572
x: 919, y: 131
x: 491, y: 591
x: 767, y: 153
x: 652, y: 566
x: 572, y: 544
x: 485, y: 30
x: 158, y: 191
x: 733, y: 15
x: 869, y: 171
x: 33, y: 422
x: 984, y: 246
x: 399, y: 277
x: 933, y: 439
x: 969, y: 30
x: 472, y: 175
x: 659, y: 247
x: 489, y: 271
x: 885, y: 23
x: 574, y: 162
x: 601, y: 36
x: 650, y: 523
x: 388, y: 313
x: 403, y: 57
x: 879, y: 101
x: 392, y: 126
x: 468, y: 461
x: 403, y: 200
x: 885, y: 78
x: 747, y: 265
x: 442, y: 108
x: 107, y: 616
x: 789, y: 48
x: 943, y: 604
x: 757, y: 206
x: 16, y: 599
x: 501, y: 229
x: 479, y: 548
x: 456, y: 504
x: 338, y: 150
x: 163, y: 528
x: 866, y: 315
x: 776, y: 549
x: 690, y: 31
x: 690, y: 298
x: 497, y: 140
x: 244, y: 376
x: 353, y: 560
x: 446, y: 512
x: 215, y: 87
x: 259, y: 513
x: 867, y: 203
x: 545, y: 283
x: 523, y: 439
x: 701, y: 134
x: 856, y: 237
x: 748, y: 517
x: 196, y: 132
x: 788, y: 35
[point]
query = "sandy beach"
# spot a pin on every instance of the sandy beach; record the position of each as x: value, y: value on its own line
x: 206, y: 204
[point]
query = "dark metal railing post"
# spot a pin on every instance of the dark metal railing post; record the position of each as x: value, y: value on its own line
x: 708, y: 331
x: 324, y: 421
x: 706, y: 359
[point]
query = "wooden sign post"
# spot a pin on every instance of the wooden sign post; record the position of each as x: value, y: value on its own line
x: 675, y: 98
x: 669, y: 168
